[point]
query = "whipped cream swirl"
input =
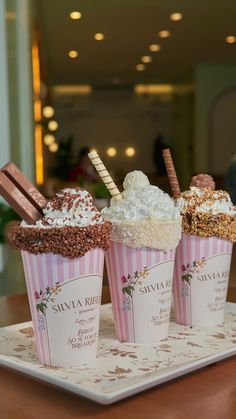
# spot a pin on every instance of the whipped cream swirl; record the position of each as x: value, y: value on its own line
x: 141, y: 201
x: 69, y: 207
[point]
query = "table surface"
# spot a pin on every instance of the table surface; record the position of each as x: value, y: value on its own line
x: 207, y: 393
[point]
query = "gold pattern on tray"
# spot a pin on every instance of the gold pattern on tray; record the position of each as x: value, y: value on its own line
x: 123, y: 362
x: 27, y: 331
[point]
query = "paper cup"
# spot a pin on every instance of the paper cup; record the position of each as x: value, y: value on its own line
x: 140, y: 283
x: 65, y: 297
x: 201, y: 277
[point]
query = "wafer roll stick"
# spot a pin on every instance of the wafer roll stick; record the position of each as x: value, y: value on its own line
x: 170, y: 168
x: 104, y: 174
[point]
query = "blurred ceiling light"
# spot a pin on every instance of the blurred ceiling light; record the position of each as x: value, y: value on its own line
x: 176, y: 16
x: 130, y: 151
x: 72, y: 89
x: 153, y: 88
x: 230, y: 39
x: 53, y: 147
x: 38, y: 144
x: 36, y: 70
x: 75, y: 15
x: 154, y: 47
x: 164, y: 34
x: 49, y: 139
x: 140, y: 67
x: 52, y: 125
x: 73, y: 53
x: 99, y: 36
x: 146, y: 59
x: 111, y: 151
x: 37, y: 110
x: 48, y: 111
x: 38, y: 139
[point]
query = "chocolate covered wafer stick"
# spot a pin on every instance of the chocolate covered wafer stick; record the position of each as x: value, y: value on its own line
x: 170, y: 168
x: 25, y: 186
x: 104, y: 174
x: 18, y: 201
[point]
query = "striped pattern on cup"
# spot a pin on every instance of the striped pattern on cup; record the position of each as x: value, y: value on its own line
x: 189, y: 296
x: 122, y: 260
x: 45, y: 270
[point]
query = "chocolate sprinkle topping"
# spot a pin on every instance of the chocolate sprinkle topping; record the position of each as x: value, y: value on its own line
x: 208, y: 225
x: 70, y: 242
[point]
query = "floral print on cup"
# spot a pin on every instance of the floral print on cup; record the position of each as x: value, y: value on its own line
x: 188, y: 271
x: 129, y: 283
x: 43, y: 297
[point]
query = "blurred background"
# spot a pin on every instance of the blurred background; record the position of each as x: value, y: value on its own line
x: 126, y: 78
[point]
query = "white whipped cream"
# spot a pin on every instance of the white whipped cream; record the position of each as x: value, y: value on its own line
x: 82, y: 213
x: 218, y: 204
x: 135, y: 180
x: 141, y: 201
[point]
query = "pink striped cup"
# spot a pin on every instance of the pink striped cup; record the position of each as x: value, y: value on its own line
x: 65, y: 297
x: 140, y: 283
x: 201, y: 277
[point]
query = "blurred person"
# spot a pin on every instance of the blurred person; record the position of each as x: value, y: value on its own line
x: 158, y: 160
x: 83, y: 169
x: 230, y: 179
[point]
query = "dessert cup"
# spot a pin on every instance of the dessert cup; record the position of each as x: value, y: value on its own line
x: 140, y: 281
x: 65, y: 297
x: 63, y: 257
x: 202, y: 263
x: 201, y: 275
x: 62, y: 242
x: 146, y: 228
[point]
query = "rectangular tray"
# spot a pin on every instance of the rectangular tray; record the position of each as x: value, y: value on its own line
x: 123, y: 369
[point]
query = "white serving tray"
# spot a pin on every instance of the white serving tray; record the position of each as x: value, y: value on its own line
x: 122, y: 369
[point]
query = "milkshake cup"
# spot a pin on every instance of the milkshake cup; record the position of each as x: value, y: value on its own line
x: 146, y: 228
x: 63, y: 258
x: 203, y: 256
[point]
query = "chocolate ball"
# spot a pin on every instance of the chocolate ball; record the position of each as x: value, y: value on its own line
x: 203, y: 181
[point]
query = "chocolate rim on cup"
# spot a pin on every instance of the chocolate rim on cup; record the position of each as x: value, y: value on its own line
x: 38, y: 235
